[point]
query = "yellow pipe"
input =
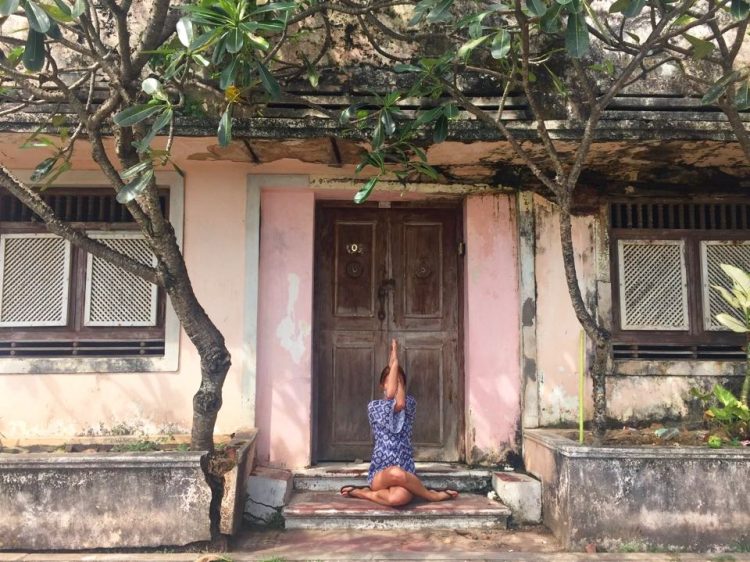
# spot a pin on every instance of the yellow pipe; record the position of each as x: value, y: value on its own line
x: 581, y: 371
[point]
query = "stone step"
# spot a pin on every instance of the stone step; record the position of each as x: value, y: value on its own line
x: 331, y: 477
x: 329, y: 510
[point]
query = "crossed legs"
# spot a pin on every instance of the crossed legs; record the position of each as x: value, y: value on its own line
x: 394, y: 487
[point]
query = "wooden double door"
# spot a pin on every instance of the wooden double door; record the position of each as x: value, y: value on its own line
x: 385, y: 273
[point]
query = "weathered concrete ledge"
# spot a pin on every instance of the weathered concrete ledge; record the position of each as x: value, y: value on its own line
x: 104, y: 500
x: 690, y: 498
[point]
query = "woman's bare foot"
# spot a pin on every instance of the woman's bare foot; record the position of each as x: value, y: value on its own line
x: 351, y: 491
x: 442, y: 495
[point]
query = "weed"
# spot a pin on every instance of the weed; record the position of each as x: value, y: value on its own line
x: 182, y: 447
x: 723, y: 558
x: 136, y: 446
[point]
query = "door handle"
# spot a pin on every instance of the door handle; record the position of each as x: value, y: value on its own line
x: 385, y: 286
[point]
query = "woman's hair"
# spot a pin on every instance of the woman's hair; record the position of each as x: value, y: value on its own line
x: 387, y: 370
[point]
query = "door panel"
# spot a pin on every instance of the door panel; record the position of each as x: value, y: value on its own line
x: 382, y: 274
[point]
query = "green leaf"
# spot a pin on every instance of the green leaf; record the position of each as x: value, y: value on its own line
x: 38, y: 18
x: 274, y: 7
x: 33, y: 52
x: 162, y: 121
x: 577, y: 36
x: 719, y: 87
x: 54, y: 31
x: 135, y: 114
x: 60, y: 11
x: 135, y: 187
x: 501, y: 44
x: 739, y: 278
x: 364, y: 192
x: 407, y: 68
x: 635, y: 37
x: 201, y: 41
x: 56, y: 173
x: 8, y: 7
x: 441, y: 129
x: 270, y: 84
x: 388, y: 123
x: 469, y: 46
x: 226, y: 78
x: 450, y: 110
x: 536, y: 7
x: 619, y: 6
x: 551, y: 21
x: 724, y: 396
x: 727, y: 296
x: 739, y: 9
x: 429, y: 115
x: 742, y: 97
x: 79, y: 7
x: 377, y: 136
x: 35, y: 141
x: 701, y: 47
x: 563, y: 2
x: 732, y: 323
x: 440, y: 12
x: 225, y: 127
x: 258, y: 41
x: 634, y: 9
x: 185, y: 31
x: 133, y: 171
x: 43, y: 169
x: 235, y: 39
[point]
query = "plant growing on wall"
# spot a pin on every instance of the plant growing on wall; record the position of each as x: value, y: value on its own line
x: 724, y: 409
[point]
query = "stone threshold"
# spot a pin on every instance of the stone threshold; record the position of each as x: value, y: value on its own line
x: 332, y: 476
x: 329, y: 510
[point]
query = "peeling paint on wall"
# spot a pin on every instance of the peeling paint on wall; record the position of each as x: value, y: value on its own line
x: 293, y: 334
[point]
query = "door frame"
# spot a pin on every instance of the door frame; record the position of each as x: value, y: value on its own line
x: 455, y: 204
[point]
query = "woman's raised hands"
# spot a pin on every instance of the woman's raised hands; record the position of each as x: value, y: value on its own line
x: 394, y: 353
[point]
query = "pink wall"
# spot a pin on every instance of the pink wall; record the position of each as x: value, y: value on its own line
x: 284, y: 381
x: 557, y: 328
x: 46, y: 405
x: 492, y: 328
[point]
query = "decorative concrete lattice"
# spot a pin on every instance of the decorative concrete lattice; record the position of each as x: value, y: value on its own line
x: 34, y: 277
x: 115, y: 297
x: 713, y: 254
x: 653, y: 285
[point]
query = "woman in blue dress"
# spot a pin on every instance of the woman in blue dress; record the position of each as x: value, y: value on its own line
x: 392, y: 479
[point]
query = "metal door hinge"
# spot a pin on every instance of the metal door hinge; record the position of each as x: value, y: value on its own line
x: 461, y: 248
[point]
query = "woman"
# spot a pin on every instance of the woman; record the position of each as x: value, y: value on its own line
x: 392, y: 479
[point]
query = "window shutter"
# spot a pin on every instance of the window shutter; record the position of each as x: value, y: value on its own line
x: 653, y: 285
x: 713, y: 254
x: 34, y: 280
x: 115, y: 297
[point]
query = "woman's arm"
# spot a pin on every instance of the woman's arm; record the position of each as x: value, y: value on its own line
x: 392, y: 380
x: 400, y: 397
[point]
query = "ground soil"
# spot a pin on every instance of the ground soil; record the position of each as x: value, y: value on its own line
x: 655, y: 434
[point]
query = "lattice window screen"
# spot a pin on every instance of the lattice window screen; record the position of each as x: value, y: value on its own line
x: 653, y: 285
x: 34, y: 280
x: 714, y: 253
x: 115, y: 297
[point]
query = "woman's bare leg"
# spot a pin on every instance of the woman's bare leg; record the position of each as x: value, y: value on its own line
x: 395, y: 496
x: 396, y: 476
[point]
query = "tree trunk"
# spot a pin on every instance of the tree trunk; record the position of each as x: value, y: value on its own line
x: 203, y: 333
x: 598, y: 336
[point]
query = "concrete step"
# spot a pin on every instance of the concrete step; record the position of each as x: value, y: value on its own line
x: 332, y: 476
x: 329, y: 510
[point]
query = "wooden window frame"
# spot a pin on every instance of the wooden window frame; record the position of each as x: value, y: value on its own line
x: 696, y: 334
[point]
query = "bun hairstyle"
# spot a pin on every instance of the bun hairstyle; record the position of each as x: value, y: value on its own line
x: 387, y: 370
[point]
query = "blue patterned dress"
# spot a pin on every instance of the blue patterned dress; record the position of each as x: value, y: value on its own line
x: 392, y: 433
